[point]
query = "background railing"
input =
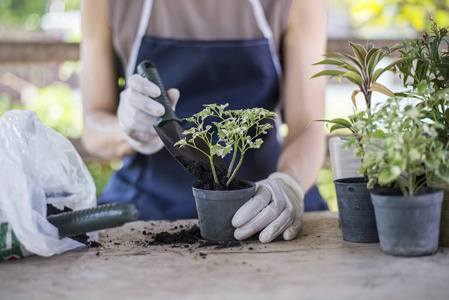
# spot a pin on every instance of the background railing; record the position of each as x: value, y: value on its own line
x: 43, y: 52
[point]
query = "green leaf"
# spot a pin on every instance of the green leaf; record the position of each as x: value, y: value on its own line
x: 335, y: 54
x: 386, y: 177
x: 381, y: 89
x: 359, y: 52
x: 396, y: 47
x: 441, y: 65
x: 379, y: 134
x: 342, y: 122
x: 220, y: 150
x: 331, y: 73
x: 330, y: 61
x: 377, y: 74
x: 354, y: 102
x: 370, y: 54
x: 354, y: 78
x: 346, y: 56
x: 373, y: 61
x: 336, y: 127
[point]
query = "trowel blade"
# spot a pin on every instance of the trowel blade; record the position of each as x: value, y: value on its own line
x: 171, y: 132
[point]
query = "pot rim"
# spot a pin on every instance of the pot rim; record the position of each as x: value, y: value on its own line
x: 346, y: 181
x: 396, y: 192
x: 392, y: 197
x: 224, y: 194
x: 250, y: 183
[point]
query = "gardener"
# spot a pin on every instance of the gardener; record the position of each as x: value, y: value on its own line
x: 213, y: 52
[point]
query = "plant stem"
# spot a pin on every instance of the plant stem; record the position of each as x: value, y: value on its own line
x: 213, y: 169
x: 235, y: 170
x: 402, y: 187
x: 411, y: 188
x: 367, y: 95
x: 234, y: 156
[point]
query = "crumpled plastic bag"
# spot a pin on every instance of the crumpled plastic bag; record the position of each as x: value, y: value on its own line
x: 37, y: 166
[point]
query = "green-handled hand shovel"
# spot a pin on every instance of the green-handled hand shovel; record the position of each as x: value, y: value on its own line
x: 169, y: 125
x: 93, y: 219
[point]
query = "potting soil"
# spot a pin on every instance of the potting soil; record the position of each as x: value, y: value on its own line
x: 203, y: 172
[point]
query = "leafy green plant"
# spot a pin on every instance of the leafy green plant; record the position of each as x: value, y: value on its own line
x: 361, y: 70
x: 234, y: 131
x: 426, y: 73
x: 399, y: 148
x: 427, y: 59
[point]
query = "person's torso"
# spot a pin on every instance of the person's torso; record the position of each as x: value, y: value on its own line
x: 195, y: 20
x: 213, y: 52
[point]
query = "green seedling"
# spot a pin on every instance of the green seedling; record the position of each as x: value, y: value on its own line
x: 234, y: 131
x: 399, y: 148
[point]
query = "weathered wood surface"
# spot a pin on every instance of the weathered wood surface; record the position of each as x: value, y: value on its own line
x: 316, y: 265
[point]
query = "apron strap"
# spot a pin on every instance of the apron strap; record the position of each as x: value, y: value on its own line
x: 259, y: 14
x: 143, y: 24
x: 262, y: 22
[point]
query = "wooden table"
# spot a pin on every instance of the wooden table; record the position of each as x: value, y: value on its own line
x: 316, y: 265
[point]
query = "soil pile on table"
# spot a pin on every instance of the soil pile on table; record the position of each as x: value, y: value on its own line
x: 82, y: 238
x: 202, y: 170
x: 185, y: 236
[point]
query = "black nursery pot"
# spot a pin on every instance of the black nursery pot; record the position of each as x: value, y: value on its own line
x: 358, y: 223
x: 217, y: 208
x: 408, y: 225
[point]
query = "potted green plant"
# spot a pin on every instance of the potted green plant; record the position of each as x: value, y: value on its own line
x: 398, y: 149
x: 426, y: 73
x: 220, y: 194
x: 354, y: 203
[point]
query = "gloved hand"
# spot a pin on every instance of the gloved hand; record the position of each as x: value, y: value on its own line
x: 137, y: 113
x: 277, y: 207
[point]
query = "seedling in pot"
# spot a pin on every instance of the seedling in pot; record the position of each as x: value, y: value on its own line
x: 228, y: 131
x: 399, y: 147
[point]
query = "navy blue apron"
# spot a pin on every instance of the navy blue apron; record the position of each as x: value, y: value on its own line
x: 243, y: 73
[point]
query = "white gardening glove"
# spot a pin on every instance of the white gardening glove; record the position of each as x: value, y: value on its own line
x: 137, y: 113
x: 277, y: 207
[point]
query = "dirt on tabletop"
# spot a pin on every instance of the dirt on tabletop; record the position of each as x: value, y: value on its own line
x: 184, y: 237
x: 202, y: 170
x: 82, y: 238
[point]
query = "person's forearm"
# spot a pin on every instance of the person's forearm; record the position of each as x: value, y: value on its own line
x: 303, y: 156
x: 103, y: 136
x: 304, y: 99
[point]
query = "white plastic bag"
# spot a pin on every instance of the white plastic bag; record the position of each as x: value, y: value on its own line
x: 37, y: 166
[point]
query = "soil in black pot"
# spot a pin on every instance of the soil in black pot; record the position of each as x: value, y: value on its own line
x: 203, y: 172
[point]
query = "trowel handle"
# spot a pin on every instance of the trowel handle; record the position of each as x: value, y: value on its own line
x: 93, y: 219
x: 148, y: 70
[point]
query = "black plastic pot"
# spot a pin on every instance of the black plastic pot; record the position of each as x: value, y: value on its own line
x: 408, y: 225
x: 444, y: 226
x: 358, y: 223
x: 217, y: 208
